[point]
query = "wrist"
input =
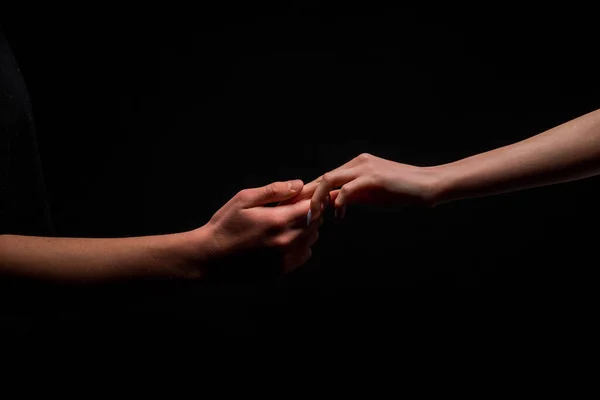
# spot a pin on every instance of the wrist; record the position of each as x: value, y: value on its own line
x: 196, y: 251
x: 443, y: 184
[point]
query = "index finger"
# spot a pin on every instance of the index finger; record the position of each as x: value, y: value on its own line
x: 331, y: 180
x: 292, y: 215
x: 309, y: 188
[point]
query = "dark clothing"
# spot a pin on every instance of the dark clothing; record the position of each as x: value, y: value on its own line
x: 24, y: 206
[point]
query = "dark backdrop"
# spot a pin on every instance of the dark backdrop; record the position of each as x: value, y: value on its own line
x: 149, y: 121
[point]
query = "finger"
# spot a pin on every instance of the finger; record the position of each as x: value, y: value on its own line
x: 300, y: 251
x: 327, y: 202
x: 293, y: 261
x: 350, y: 191
x: 299, y: 237
x: 350, y: 164
x: 290, y: 216
x: 294, y: 214
x: 271, y: 193
x: 315, y: 225
x: 312, y: 238
x: 304, y: 194
x: 304, y: 240
x: 331, y: 181
x: 309, y: 188
x: 340, y: 213
x: 333, y: 195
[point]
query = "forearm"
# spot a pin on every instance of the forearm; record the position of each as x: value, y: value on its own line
x: 97, y: 260
x: 567, y: 152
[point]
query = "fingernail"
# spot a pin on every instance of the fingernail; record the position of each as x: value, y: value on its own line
x: 340, y: 212
x: 327, y: 201
x: 295, y: 186
x: 322, y: 207
x: 308, y: 217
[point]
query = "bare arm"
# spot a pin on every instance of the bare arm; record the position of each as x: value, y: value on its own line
x: 564, y: 153
x: 567, y: 152
x: 96, y: 260
x: 240, y: 227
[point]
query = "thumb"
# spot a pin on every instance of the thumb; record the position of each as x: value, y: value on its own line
x: 273, y: 192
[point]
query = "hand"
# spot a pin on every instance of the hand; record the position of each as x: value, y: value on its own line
x: 244, y: 226
x: 370, y: 179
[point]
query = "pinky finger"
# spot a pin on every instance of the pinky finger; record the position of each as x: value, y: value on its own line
x: 350, y: 191
x: 333, y: 195
x: 295, y: 260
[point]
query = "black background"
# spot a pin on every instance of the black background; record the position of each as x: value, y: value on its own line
x: 150, y: 120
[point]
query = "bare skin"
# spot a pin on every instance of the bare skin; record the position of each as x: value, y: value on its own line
x: 240, y: 225
x: 567, y: 152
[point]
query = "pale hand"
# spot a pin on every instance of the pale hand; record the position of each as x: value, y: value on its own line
x: 373, y: 180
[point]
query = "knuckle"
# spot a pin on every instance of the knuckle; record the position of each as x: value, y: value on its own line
x: 345, y: 190
x: 271, y: 190
x: 243, y: 194
x: 327, y: 178
x: 364, y: 157
x: 280, y: 241
x: 370, y: 170
x: 374, y: 174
